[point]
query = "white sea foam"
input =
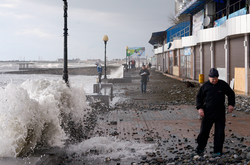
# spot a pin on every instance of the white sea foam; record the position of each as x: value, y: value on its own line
x: 117, y: 73
x: 33, y: 112
x: 32, y: 109
x: 110, y: 147
x: 8, y: 66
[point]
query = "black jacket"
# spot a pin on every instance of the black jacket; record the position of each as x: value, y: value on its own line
x: 144, y: 75
x: 211, y: 98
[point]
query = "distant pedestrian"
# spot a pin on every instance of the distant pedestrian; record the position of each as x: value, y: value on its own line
x: 149, y: 65
x: 144, y: 73
x: 129, y: 63
x: 148, y: 68
x: 133, y: 64
x: 210, y: 102
x: 99, y: 70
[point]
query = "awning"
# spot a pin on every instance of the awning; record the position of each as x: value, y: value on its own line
x: 157, y: 37
x: 192, y: 7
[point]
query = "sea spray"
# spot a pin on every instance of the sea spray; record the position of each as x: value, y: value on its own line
x: 117, y: 73
x: 102, y: 147
x: 35, y: 112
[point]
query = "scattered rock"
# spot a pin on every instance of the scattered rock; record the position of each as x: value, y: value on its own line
x: 107, y: 159
x: 248, y: 156
x: 113, y: 122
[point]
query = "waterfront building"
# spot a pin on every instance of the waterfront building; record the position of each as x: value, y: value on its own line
x: 206, y: 34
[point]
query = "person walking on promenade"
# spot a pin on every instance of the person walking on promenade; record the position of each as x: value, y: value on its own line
x: 99, y: 70
x: 210, y: 102
x: 149, y: 65
x: 148, y: 68
x: 133, y: 64
x: 144, y: 73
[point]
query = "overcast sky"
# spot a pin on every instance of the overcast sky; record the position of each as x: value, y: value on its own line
x: 33, y: 29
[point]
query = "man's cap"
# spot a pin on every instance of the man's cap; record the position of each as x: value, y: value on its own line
x: 96, y: 63
x: 213, y: 73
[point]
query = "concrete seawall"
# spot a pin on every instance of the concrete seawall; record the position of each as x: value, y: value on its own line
x: 89, y: 71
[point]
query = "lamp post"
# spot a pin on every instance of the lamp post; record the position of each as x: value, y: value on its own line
x: 105, y: 39
x: 129, y: 59
x: 139, y: 59
x: 65, y: 66
x: 126, y: 54
x: 126, y: 58
x: 146, y: 59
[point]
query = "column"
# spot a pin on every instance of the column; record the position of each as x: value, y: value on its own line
x: 226, y: 47
x: 201, y: 59
x: 212, y: 54
x: 193, y: 59
x: 246, y: 45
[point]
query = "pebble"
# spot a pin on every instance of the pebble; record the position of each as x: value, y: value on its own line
x: 235, y: 156
x: 248, y: 156
x: 196, y: 157
x: 144, y: 157
x: 133, y: 163
x: 107, y: 159
x: 160, y: 160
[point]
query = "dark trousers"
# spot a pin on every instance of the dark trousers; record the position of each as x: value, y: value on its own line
x: 219, y: 133
x: 143, y: 87
x: 100, y: 77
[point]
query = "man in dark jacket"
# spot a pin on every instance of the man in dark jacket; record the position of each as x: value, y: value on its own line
x: 210, y: 103
x: 144, y: 78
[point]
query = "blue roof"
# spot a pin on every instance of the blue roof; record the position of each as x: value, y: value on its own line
x: 192, y: 7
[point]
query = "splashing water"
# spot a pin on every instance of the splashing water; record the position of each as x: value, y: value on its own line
x: 117, y: 73
x: 101, y: 147
x: 33, y: 112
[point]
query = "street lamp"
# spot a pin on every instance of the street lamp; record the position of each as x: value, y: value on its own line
x: 139, y: 59
x: 65, y: 66
x: 129, y: 59
x: 146, y: 59
x: 105, y: 39
x: 126, y: 54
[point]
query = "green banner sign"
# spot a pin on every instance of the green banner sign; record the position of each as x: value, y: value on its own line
x: 136, y: 51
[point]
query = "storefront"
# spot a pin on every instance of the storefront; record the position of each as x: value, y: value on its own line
x: 185, y: 62
x: 171, y: 62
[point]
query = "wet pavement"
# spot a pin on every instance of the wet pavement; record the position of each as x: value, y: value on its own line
x: 173, y: 129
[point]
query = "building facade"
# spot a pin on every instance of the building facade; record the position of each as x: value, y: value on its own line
x: 217, y: 36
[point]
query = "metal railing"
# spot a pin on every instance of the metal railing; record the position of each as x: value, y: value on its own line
x: 228, y: 10
x: 182, y: 33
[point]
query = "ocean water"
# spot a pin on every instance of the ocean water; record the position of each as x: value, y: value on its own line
x: 33, y: 108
